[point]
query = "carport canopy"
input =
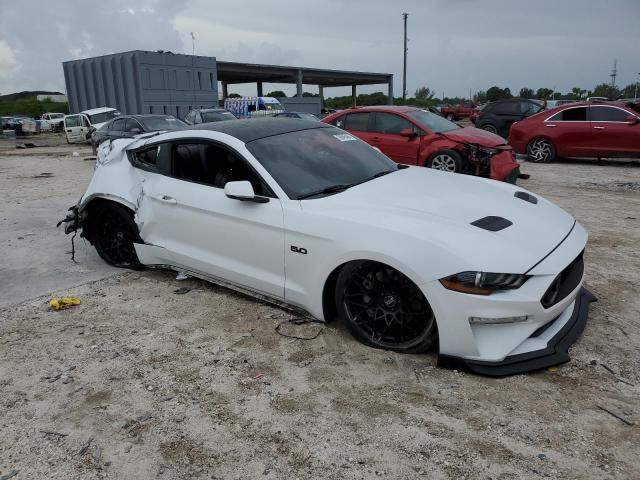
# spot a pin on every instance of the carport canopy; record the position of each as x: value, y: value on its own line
x: 234, y: 72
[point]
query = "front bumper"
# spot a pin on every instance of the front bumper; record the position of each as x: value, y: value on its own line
x: 555, y: 353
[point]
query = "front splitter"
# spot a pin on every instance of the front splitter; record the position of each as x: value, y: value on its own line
x: 556, y: 352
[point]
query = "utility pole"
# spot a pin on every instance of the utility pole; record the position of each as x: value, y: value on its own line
x: 404, y: 68
x: 193, y: 44
x: 635, y: 95
x: 614, y: 72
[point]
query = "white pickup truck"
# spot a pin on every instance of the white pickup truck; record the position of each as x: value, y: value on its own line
x: 78, y: 126
x: 52, y: 121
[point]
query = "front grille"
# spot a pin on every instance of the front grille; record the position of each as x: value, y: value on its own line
x: 564, y: 283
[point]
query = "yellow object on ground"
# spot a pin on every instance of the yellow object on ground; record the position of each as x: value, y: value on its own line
x: 64, y: 302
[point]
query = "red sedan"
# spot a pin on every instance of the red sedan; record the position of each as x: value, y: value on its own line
x: 417, y: 137
x: 578, y: 130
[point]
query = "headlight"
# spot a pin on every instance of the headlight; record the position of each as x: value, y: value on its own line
x: 483, y: 283
x: 490, y: 151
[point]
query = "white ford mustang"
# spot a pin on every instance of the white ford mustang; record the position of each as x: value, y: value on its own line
x: 309, y: 217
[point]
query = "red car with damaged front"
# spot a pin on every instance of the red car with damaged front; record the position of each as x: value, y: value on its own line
x: 417, y: 137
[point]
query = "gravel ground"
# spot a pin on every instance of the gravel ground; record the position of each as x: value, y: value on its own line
x: 141, y: 381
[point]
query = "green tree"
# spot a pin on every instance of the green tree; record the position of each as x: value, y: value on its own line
x: 277, y: 94
x: 606, y: 90
x: 309, y: 94
x: 234, y: 95
x: 577, y: 93
x: 497, y: 93
x: 526, y: 92
x: 424, y: 93
x: 629, y: 91
x: 544, y: 93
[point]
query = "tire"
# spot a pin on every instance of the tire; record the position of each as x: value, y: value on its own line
x: 490, y: 128
x: 446, y: 161
x: 382, y: 308
x: 541, y: 150
x: 450, y: 117
x: 113, y: 233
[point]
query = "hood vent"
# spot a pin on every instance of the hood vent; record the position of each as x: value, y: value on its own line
x: 492, y: 224
x: 527, y: 197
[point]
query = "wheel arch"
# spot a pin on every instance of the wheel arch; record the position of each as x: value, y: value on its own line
x: 90, y: 204
x: 328, y: 289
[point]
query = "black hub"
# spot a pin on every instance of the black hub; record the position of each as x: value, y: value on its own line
x: 114, y: 240
x: 386, y: 307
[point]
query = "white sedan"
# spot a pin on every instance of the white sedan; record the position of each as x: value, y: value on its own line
x: 309, y: 217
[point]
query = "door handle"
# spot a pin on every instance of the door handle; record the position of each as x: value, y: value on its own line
x: 599, y: 128
x: 551, y: 125
x: 167, y: 199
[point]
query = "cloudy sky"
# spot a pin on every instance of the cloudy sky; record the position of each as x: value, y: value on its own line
x: 455, y: 45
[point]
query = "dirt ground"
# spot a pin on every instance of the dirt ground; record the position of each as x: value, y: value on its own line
x: 142, y: 381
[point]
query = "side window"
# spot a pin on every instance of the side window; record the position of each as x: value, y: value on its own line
x: 529, y: 108
x: 608, y: 114
x: 578, y: 114
x: 357, y: 121
x: 339, y: 121
x: 213, y: 165
x: 131, y: 125
x: 148, y: 156
x: 251, y: 108
x: 197, y: 118
x: 72, y: 121
x: 117, y: 125
x: 390, y: 123
x: 146, y: 159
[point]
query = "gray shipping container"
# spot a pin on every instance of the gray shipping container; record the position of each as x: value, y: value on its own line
x: 142, y: 82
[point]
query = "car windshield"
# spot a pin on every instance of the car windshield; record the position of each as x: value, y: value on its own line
x: 103, y: 116
x: 432, y: 122
x: 306, y: 162
x: 217, y: 116
x: 162, y: 123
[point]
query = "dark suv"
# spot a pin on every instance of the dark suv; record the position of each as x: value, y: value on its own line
x: 497, y: 117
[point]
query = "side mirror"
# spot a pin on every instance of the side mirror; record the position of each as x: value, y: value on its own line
x: 408, y: 133
x: 243, y: 191
x: 632, y: 120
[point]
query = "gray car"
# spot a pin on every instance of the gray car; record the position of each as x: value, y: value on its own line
x: 127, y: 126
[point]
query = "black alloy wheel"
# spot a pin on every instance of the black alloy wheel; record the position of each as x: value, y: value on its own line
x: 114, y: 233
x: 384, y: 309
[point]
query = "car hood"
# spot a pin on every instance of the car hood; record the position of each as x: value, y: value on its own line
x: 438, y: 208
x: 475, y: 135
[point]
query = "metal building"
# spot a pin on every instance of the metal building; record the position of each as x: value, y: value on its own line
x: 163, y: 82
x: 142, y: 82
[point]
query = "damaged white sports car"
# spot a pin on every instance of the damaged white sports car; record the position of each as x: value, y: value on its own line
x: 309, y: 217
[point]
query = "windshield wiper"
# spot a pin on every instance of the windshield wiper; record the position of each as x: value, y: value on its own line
x: 344, y: 186
x: 327, y: 190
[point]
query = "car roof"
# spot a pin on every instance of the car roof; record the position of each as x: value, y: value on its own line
x: 98, y: 110
x: 382, y: 108
x: 252, y: 129
x: 211, y: 110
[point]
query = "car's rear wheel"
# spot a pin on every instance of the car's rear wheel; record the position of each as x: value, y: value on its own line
x: 541, y: 150
x: 113, y: 233
x: 446, y: 161
x: 384, y: 309
x: 489, y: 128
